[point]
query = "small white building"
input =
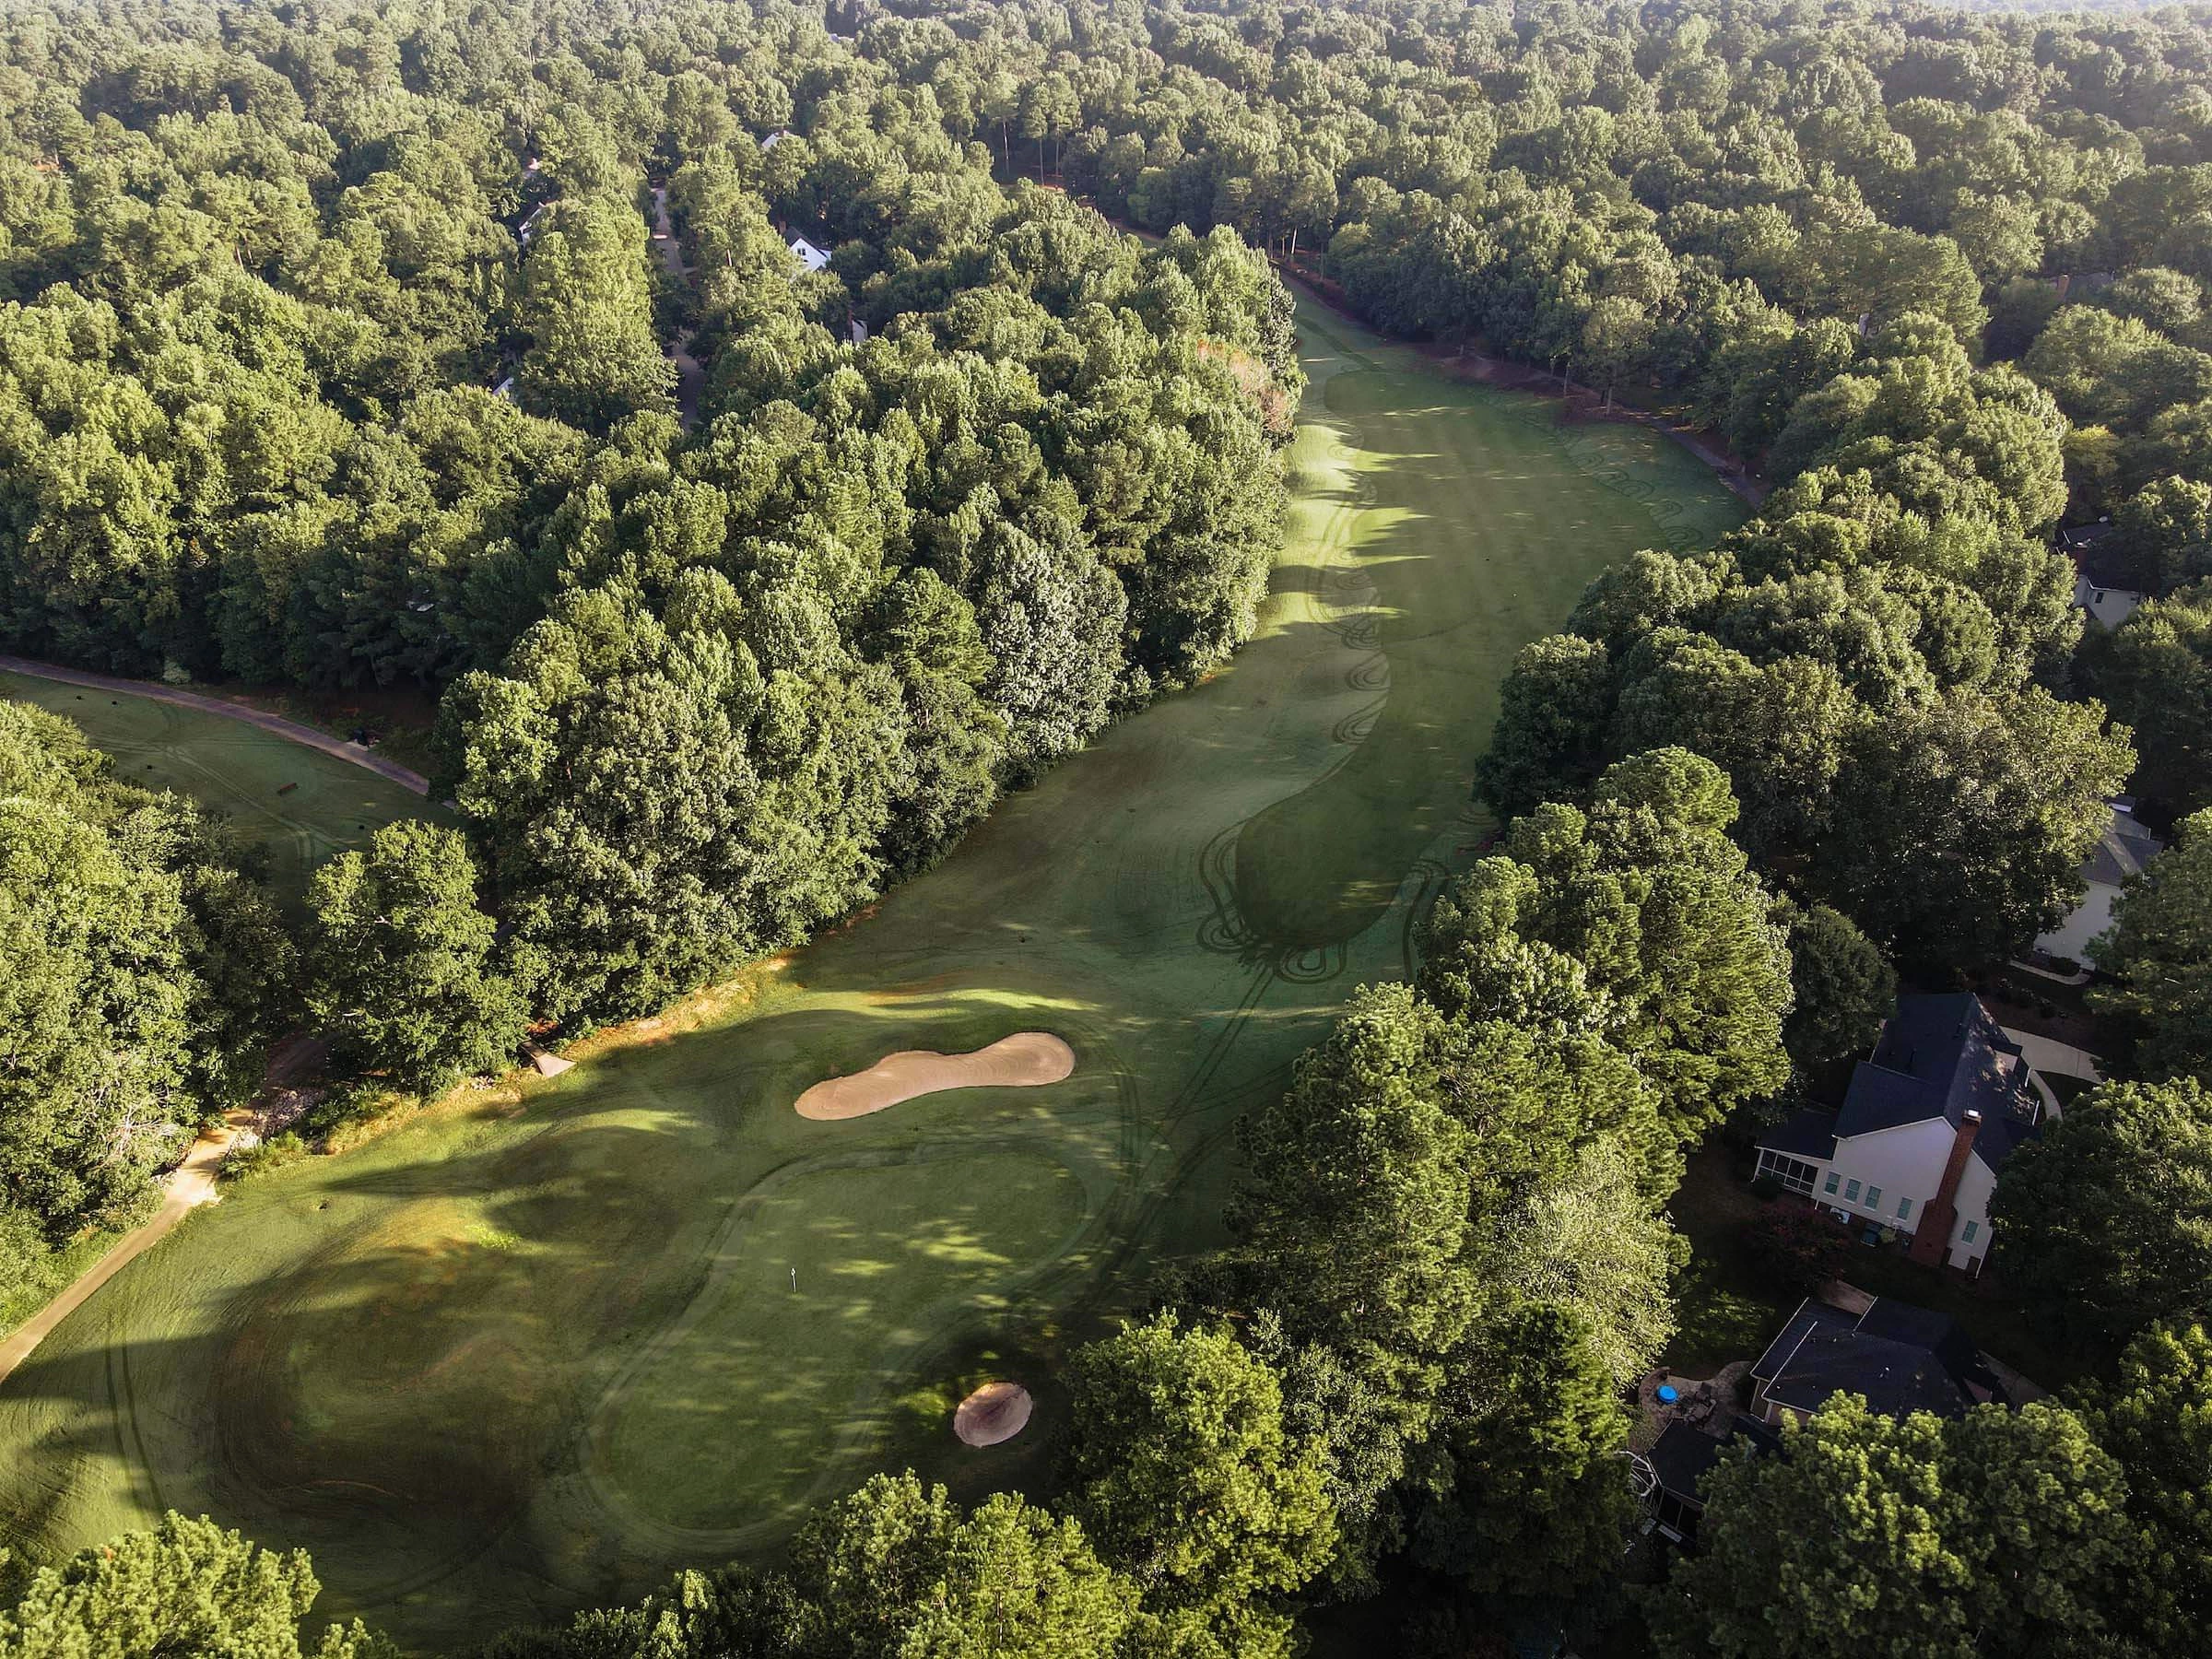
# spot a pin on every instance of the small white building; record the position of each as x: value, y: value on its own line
x: 807, y: 254
x: 1928, y: 1120
x: 2121, y: 852
x: 773, y: 139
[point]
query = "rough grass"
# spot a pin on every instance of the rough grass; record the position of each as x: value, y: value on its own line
x: 236, y: 768
x: 536, y: 1346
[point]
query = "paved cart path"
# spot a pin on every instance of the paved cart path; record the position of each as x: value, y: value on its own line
x: 205, y: 704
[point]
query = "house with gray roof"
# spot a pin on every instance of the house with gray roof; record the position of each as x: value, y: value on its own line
x: 1898, y: 1357
x: 2121, y: 852
x: 1927, y: 1124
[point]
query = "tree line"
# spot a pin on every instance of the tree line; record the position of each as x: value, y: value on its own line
x: 331, y: 353
x: 1939, y: 274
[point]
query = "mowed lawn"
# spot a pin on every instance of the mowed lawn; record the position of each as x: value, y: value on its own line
x: 238, y: 769
x: 547, y: 1342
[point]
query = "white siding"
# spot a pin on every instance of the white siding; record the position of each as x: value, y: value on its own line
x: 2110, y: 606
x: 2072, y: 936
x: 1905, y: 1163
x: 1973, y: 1199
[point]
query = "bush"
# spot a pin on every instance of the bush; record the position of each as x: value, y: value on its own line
x: 1767, y: 1188
x: 1797, y: 1249
x: 264, y: 1158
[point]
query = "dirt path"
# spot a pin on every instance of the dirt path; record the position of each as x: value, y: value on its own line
x: 205, y: 704
x: 691, y: 373
x: 188, y: 1186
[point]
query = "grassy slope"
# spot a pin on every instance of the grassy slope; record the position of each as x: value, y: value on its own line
x: 236, y: 768
x: 543, y: 1342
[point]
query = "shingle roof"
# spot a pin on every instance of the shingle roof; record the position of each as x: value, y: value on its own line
x: 1897, y: 1378
x: 2121, y: 851
x: 1810, y: 1316
x: 1940, y: 1056
x: 1901, y: 1357
x: 1684, y: 1453
x: 1805, y: 1132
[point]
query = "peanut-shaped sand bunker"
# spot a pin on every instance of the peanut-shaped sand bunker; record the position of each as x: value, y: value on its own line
x: 1026, y: 1060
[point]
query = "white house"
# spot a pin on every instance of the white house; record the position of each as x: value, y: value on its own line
x: 2101, y: 586
x: 2121, y: 852
x: 807, y: 254
x: 1927, y: 1122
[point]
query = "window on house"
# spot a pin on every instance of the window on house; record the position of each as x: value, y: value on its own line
x: 1873, y: 1198
x: 1851, y: 1192
x: 1972, y: 1229
x: 1904, y: 1209
x: 1830, y: 1188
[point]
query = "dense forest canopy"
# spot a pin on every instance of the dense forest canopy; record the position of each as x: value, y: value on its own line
x: 336, y: 349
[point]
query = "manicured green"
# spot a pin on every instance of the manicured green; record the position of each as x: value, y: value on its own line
x: 238, y: 769
x: 541, y: 1344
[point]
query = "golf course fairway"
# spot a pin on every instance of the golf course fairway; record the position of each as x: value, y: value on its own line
x: 553, y: 1338
x: 236, y: 768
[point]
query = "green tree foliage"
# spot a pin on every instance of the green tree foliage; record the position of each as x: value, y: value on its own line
x: 1638, y: 921
x: 2158, y: 953
x: 1525, y: 1490
x: 1961, y: 831
x: 587, y: 308
x: 184, y: 1587
x: 897, y: 1570
x: 403, y: 974
x: 2155, y: 1419
x: 1862, y: 673
x: 2108, y: 1213
x: 1183, y: 1476
x: 2155, y: 673
x: 1841, y: 988
x: 2164, y: 533
x: 1999, y: 1532
x: 145, y: 976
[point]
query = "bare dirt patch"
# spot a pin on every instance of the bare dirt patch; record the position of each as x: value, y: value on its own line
x: 1026, y: 1060
x: 996, y: 1412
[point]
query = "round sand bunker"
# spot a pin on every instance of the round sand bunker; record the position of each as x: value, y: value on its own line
x: 1026, y: 1060
x: 996, y: 1412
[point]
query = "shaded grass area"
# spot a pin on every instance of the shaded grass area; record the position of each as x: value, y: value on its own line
x: 238, y: 769
x: 1725, y: 1306
x: 540, y: 1344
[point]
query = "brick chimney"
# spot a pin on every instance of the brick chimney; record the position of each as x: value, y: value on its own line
x: 1933, y: 1236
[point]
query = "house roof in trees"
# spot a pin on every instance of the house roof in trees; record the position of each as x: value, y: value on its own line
x: 1899, y: 1358
x: 807, y: 254
x: 1809, y: 1317
x: 1808, y: 1131
x: 2123, y: 849
x: 1685, y: 1452
x: 1941, y: 1056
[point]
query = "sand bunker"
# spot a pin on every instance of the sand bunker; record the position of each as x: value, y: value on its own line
x: 1024, y: 1059
x: 996, y: 1412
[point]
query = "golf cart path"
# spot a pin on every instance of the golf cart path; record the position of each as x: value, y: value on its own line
x: 204, y: 704
x: 188, y: 1186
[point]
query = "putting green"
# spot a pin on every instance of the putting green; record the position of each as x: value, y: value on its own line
x: 543, y: 1343
x: 236, y: 768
